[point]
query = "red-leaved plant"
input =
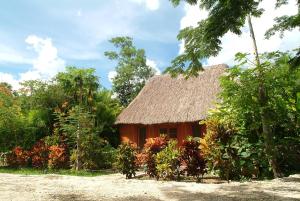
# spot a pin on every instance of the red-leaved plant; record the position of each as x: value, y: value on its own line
x: 192, y: 159
x: 151, y: 148
x: 39, y: 155
x: 58, y: 157
x: 18, y: 157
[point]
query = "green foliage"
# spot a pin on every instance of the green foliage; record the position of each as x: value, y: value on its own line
x: 126, y: 159
x: 70, y: 172
x: 231, y: 155
x: 284, y: 23
x: 168, y: 162
x: 107, y: 110
x: 132, y: 70
x: 79, y: 84
x: 72, y: 114
x: 204, y: 40
x: 96, y: 153
x: 151, y: 148
x: 234, y: 135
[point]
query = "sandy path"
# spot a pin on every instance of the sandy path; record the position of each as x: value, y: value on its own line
x: 115, y: 187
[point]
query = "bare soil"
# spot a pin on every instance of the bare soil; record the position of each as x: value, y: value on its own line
x: 115, y: 187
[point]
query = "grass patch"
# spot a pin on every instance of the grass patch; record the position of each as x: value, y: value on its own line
x: 32, y: 171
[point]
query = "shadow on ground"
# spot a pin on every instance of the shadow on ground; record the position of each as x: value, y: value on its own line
x: 244, y: 192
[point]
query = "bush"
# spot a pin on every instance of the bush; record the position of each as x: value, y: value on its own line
x: 192, y: 159
x: 58, y: 157
x: 168, y: 162
x: 231, y: 155
x: 18, y: 157
x: 126, y: 159
x: 151, y: 148
x: 39, y: 155
x: 96, y: 153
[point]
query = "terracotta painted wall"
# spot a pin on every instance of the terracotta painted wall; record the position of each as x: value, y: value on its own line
x: 130, y: 131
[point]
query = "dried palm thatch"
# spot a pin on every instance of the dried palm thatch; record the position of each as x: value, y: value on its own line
x: 173, y: 100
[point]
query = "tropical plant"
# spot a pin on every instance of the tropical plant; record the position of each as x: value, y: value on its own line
x: 58, y: 157
x: 18, y: 157
x: 204, y: 41
x: 126, y: 159
x: 39, y: 155
x: 168, y: 162
x: 192, y: 158
x: 151, y: 148
x: 234, y: 130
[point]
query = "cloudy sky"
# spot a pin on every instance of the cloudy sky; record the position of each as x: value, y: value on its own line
x: 39, y: 38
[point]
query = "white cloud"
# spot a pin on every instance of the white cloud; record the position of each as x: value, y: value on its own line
x: 44, y: 67
x: 150, y: 4
x: 153, y: 65
x: 47, y: 63
x: 232, y: 43
x: 9, y: 78
x: 112, y: 75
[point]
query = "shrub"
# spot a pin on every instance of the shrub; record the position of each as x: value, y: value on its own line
x: 168, y: 162
x: 18, y: 157
x: 96, y: 153
x: 230, y: 154
x: 39, y: 155
x: 192, y: 159
x: 58, y: 157
x: 151, y: 148
x: 126, y: 159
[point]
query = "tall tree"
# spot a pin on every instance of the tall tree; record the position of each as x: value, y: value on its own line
x: 132, y: 70
x: 80, y: 85
x: 204, y: 41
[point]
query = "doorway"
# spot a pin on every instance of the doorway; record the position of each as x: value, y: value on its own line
x: 142, y: 137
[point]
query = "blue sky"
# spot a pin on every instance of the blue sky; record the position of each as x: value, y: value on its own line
x: 79, y: 31
x: 39, y: 38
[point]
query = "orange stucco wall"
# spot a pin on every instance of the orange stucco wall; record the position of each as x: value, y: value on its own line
x: 129, y: 132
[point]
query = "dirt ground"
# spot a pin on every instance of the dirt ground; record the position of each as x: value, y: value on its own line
x: 115, y: 187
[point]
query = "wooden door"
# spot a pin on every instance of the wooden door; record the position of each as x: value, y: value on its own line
x: 142, y: 137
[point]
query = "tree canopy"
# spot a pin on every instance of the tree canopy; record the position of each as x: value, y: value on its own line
x: 132, y: 69
x: 204, y: 40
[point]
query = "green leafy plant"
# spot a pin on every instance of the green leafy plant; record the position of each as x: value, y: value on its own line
x: 168, y: 162
x: 151, y: 148
x: 126, y: 159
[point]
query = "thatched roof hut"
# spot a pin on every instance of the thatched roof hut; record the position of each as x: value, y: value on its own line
x: 173, y: 100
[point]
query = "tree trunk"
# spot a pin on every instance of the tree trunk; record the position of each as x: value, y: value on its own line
x: 78, y: 150
x: 268, y: 135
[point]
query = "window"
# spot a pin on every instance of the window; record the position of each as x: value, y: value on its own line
x: 173, y: 133
x: 163, y: 131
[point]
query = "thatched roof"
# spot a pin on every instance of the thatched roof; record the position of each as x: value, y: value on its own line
x: 170, y: 100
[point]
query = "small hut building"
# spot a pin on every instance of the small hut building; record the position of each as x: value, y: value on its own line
x: 171, y: 106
